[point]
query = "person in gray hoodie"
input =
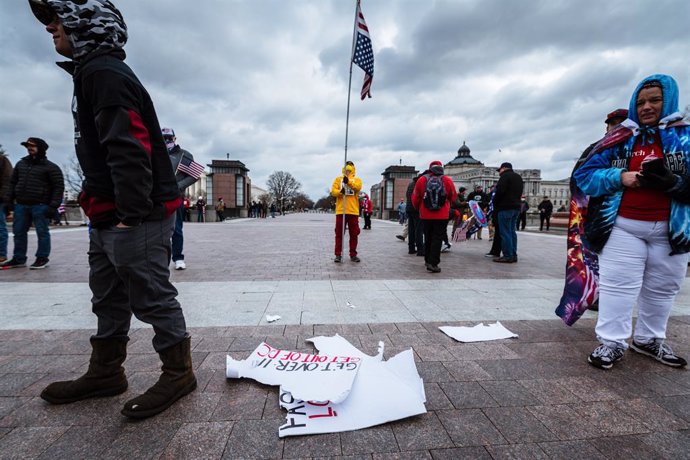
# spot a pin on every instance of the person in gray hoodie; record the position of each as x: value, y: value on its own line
x: 184, y: 180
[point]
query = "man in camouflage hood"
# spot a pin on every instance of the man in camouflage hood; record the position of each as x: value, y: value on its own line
x: 130, y: 195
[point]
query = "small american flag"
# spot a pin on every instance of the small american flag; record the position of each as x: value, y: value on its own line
x: 190, y: 167
x: 363, y: 54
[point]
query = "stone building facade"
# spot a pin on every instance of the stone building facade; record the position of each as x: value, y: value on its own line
x: 229, y: 179
x: 386, y: 195
x: 558, y: 192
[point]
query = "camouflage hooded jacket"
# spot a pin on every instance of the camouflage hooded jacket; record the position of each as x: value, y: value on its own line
x: 128, y: 177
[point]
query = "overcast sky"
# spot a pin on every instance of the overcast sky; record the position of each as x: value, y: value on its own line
x: 266, y: 80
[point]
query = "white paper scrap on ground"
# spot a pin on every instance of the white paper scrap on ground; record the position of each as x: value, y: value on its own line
x: 350, y: 305
x: 478, y: 333
x: 382, y: 392
x: 322, y: 377
x: 272, y: 318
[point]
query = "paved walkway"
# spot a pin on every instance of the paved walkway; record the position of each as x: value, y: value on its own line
x: 531, y: 397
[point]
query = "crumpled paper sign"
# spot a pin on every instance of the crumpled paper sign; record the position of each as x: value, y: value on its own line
x: 382, y: 391
x: 478, y: 333
x: 322, y: 377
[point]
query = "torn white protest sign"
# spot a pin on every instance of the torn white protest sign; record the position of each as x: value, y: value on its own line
x: 478, y: 333
x: 322, y: 377
x: 382, y: 392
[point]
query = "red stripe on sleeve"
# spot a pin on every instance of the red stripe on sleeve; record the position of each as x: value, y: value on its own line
x: 139, y: 131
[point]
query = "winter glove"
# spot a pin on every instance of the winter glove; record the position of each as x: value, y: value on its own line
x: 346, y: 180
x: 50, y: 212
x: 656, y: 175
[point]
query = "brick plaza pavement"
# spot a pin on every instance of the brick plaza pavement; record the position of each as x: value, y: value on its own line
x: 531, y: 397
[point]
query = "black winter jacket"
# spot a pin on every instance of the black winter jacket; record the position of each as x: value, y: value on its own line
x: 5, y: 175
x: 183, y: 180
x: 480, y: 197
x: 545, y: 208
x: 508, y: 194
x: 128, y: 176
x: 36, y: 180
x: 409, y: 209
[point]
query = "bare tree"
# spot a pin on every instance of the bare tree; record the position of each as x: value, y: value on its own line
x: 73, y: 175
x: 326, y: 202
x: 302, y: 201
x: 283, y: 186
x: 264, y: 198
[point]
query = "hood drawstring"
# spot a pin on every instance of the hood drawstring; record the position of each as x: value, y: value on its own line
x: 648, y: 134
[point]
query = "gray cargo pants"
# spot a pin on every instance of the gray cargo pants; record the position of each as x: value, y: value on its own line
x: 128, y: 274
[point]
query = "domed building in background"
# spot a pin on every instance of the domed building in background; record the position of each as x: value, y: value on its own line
x: 462, y: 162
x: 465, y: 171
x: 468, y: 172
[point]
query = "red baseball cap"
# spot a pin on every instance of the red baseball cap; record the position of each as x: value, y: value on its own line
x: 618, y: 113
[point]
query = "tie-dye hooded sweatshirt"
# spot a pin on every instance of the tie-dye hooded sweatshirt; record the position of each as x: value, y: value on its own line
x: 600, y: 174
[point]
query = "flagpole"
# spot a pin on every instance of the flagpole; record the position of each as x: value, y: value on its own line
x: 347, y: 120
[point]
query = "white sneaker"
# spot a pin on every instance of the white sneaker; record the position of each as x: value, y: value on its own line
x: 180, y: 265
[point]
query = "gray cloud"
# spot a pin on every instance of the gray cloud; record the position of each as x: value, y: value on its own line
x: 266, y: 81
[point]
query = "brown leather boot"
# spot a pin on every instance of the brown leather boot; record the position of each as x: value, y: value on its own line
x: 105, y: 376
x: 176, y: 381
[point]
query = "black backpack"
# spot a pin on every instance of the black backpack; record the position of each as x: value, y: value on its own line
x: 434, y: 193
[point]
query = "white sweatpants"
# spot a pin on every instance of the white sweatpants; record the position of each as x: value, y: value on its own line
x: 635, y: 266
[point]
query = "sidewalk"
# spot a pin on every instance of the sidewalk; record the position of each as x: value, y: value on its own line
x: 531, y: 397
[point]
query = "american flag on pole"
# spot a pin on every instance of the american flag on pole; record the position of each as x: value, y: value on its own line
x: 190, y: 167
x: 363, y: 54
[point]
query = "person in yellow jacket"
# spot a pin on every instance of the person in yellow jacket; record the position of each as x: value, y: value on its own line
x: 346, y: 189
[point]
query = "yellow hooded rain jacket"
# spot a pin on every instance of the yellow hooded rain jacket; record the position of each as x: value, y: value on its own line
x: 351, y: 190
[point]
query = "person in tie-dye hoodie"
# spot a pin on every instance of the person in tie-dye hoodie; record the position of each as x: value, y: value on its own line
x: 639, y: 222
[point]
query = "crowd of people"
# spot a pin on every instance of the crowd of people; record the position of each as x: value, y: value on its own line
x: 427, y: 236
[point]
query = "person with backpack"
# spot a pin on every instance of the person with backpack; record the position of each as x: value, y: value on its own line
x: 432, y: 196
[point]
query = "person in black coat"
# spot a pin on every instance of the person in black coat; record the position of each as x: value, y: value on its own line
x: 507, y: 200
x: 545, y: 210
x: 522, y: 221
x: 34, y: 194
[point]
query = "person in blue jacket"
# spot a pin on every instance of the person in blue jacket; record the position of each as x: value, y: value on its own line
x: 638, y: 222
